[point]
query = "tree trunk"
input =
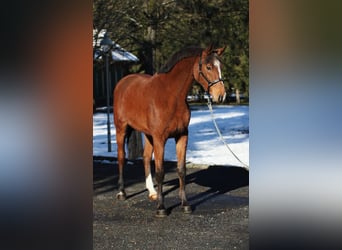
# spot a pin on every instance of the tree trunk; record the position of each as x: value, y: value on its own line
x: 237, y: 94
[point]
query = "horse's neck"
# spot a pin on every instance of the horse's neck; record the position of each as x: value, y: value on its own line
x: 181, y: 77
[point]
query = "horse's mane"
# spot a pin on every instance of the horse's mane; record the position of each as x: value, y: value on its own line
x: 184, y: 53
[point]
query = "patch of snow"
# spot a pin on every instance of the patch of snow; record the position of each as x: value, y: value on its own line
x: 204, y: 144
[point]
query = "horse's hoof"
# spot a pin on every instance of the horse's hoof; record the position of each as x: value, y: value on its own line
x: 187, y: 209
x: 121, y: 196
x: 161, y: 213
x: 152, y: 197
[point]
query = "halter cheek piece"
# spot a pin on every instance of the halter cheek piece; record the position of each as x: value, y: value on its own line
x: 210, y: 83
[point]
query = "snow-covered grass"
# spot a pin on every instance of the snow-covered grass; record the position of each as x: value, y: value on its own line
x: 204, y: 145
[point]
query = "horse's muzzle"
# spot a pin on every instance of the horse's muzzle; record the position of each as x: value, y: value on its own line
x: 221, y: 98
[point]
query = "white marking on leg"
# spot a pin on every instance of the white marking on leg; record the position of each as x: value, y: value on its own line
x: 149, y: 185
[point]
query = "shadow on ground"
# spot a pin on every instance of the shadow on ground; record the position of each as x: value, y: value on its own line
x: 218, y: 195
x: 105, y: 174
x: 202, y: 184
x: 217, y: 180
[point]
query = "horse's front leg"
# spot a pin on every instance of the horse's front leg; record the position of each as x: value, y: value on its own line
x: 181, y: 144
x: 159, y: 158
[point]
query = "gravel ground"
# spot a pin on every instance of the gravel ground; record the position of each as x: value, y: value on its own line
x: 218, y: 195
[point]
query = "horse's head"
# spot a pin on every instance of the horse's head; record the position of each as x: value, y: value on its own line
x: 207, y: 72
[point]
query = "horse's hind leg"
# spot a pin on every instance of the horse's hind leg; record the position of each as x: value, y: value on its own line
x: 120, y: 140
x: 181, y: 143
x: 148, y: 149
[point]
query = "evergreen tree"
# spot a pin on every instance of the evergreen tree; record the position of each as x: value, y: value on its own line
x: 155, y: 29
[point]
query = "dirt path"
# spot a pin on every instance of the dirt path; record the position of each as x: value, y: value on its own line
x: 218, y: 195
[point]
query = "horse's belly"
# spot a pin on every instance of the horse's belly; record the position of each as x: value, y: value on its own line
x: 178, y: 126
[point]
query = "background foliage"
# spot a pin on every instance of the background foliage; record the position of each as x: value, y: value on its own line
x: 155, y: 29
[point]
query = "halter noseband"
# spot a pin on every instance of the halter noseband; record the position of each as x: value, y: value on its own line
x: 210, y: 83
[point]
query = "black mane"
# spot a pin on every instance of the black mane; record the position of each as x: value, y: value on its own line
x: 184, y: 53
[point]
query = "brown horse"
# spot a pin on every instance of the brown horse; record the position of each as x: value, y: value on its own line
x: 156, y: 105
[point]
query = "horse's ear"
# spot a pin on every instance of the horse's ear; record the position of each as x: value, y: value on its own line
x: 209, y: 49
x: 221, y: 50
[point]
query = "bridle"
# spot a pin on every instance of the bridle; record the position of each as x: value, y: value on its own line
x: 210, y: 83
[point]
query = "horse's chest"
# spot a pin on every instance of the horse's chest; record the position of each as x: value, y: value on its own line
x: 178, y: 122
x: 168, y: 122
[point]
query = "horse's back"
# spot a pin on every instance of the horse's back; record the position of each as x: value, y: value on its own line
x: 131, y: 81
x: 129, y: 85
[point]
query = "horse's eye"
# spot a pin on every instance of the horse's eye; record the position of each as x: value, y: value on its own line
x: 208, y: 67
